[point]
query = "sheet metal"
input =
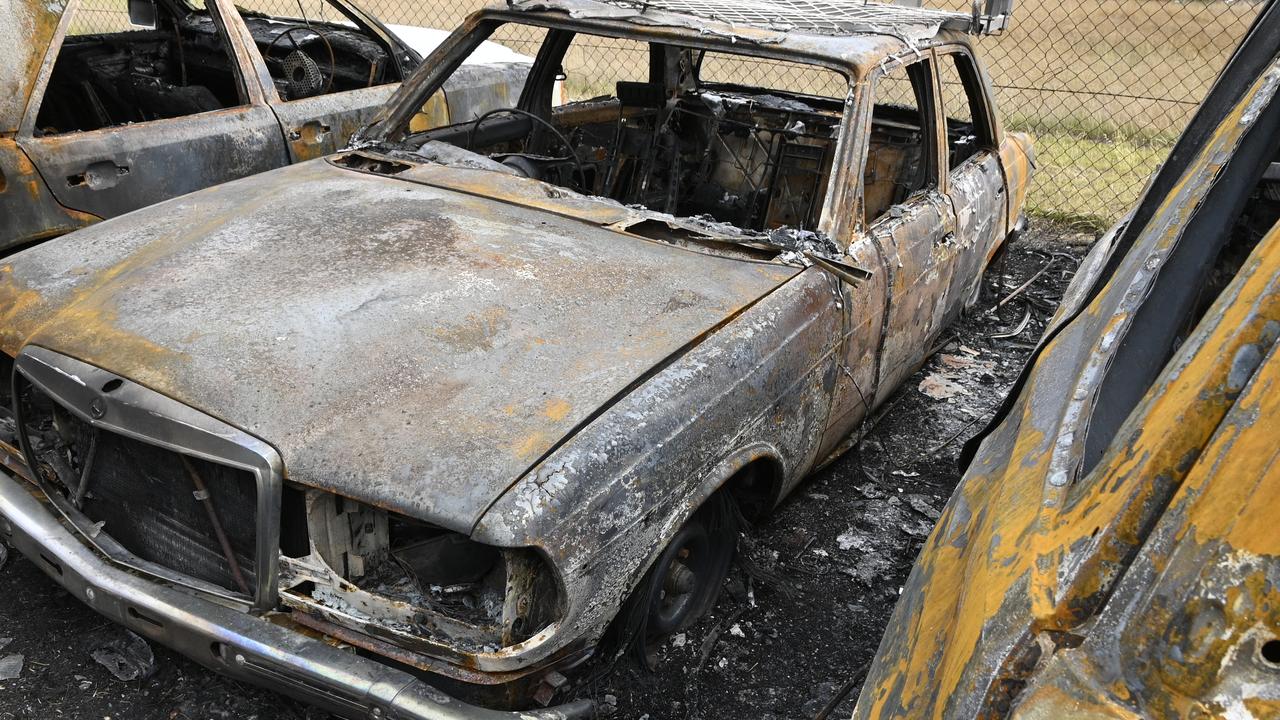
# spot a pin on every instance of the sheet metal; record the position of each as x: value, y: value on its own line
x: 424, y: 347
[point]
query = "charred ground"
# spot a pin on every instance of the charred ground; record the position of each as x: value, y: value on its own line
x: 800, y: 616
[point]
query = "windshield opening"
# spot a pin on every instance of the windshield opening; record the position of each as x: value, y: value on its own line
x: 729, y: 138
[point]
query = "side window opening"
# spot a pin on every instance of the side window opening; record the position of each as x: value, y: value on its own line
x: 492, y: 76
x: 313, y: 48
x: 963, y: 104
x: 901, y: 154
x: 678, y: 130
x: 110, y: 72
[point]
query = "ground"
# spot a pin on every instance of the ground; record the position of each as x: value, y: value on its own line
x: 800, y: 617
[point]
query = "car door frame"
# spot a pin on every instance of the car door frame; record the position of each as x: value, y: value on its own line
x: 981, y: 216
x: 160, y: 151
x: 322, y: 124
x: 905, y: 236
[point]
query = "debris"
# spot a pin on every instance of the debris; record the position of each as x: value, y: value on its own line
x: 125, y: 655
x: 724, y: 663
x: 4, y: 555
x: 679, y: 640
x: 1015, y: 332
x: 4, y: 642
x: 736, y: 631
x: 957, y: 361
x: 709, y: 642
x: 847, y: 539
x: 854, y: 680
x: 1019, y: 290
x: 904, y: 473
x: 970, y: 351
x: 940, y: 387
x: 921, y: 504
x: 10, y: 667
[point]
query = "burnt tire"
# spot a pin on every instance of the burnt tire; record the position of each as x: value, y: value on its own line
x: 684, y: 582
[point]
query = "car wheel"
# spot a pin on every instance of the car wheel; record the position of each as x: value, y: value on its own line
x: 684, y: 582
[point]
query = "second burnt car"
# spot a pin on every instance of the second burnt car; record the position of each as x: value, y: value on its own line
x: 461, y: 400
x: 107, y: 106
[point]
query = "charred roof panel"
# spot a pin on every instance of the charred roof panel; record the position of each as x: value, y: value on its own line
x: 817, y: 17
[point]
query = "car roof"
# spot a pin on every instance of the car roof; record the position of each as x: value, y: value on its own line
x: 850, y: 31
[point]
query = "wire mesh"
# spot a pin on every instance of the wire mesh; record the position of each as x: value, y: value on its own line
x: 1104, y: 85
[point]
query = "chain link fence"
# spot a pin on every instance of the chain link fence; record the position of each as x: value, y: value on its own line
x: 1106, y: 86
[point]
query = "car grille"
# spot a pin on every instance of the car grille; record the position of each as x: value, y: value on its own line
x: 144, y: 496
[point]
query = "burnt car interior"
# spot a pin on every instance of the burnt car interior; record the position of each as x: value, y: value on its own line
x: 164, y: 59
x: 111, y: 72
x: 326, y: 50
x: 689, y: 143
x: 757, y: 158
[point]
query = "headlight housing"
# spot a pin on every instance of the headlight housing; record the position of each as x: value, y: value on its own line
x: 400, y: 580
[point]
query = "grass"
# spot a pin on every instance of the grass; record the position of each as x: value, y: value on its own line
x: 1087, y: 182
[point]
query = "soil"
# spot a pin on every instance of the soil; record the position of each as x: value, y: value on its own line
x: 785, y: 638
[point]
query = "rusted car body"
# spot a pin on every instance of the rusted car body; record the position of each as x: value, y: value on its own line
x: 101, y: 116
x: 461, y: 397
x: 1110, y: 552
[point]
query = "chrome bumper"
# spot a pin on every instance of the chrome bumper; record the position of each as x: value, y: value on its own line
x: 234, y: 643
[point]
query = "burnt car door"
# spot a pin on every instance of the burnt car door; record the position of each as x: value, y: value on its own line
x: 28, y: 210
x: 907, y: 213
x: 326, y: 72
x: 142, y: 100
x: 975, y: 179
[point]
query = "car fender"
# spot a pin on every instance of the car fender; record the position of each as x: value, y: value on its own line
x: 604, y: 504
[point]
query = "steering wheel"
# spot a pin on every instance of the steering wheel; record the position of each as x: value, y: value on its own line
x: 564, y: 141
x: 302, y: 74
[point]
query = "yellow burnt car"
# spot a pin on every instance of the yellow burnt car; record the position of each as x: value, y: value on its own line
x: 1109, y: 552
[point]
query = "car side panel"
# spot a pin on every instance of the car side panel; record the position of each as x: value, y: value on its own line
x: 977, y: 192
x: 29, y: 210
x: 1017, y: 161
x: 759, y: 388
x: 320, y: 125
x: 911, y: 235
x: 112, y: 171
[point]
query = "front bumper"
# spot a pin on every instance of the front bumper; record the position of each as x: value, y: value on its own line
x: 234, y: 643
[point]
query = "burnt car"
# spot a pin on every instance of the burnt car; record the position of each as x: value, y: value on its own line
x: 107, y: 106
x: 1109, y: 552
x: 465, y: 400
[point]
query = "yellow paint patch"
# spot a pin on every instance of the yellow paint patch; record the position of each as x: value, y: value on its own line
x: 532, y: 446
x: 556, y: 409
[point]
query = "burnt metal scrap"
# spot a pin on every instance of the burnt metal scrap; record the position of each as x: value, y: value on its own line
x: 467, y: 396
x: 1109, y: 552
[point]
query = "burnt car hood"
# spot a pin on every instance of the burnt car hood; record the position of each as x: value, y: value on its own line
x: 410, y: 346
